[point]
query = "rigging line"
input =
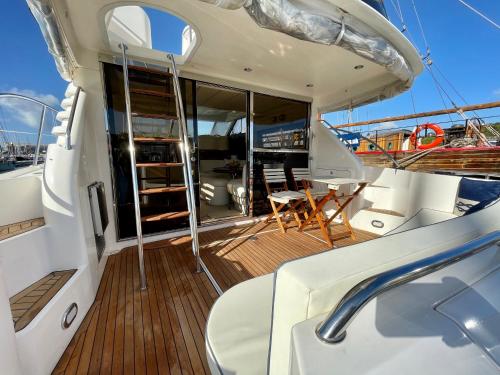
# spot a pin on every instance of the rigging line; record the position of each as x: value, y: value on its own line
x: 480, y: 14
x: 397, y: 9
x: 436, y: 83
x: 453, y: 87
x: 421, y: 27
x: 413, y: 105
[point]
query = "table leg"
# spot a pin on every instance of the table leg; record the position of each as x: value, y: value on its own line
x: 318, y: 208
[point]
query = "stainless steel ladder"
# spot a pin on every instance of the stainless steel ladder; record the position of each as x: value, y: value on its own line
x: 184, y: 148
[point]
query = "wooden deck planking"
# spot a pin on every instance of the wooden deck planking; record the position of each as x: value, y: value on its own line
x: 26, y: 304
x: 247, y: 253
x: 161, y: 330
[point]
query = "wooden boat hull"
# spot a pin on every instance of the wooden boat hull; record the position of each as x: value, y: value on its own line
x: 478, y: 160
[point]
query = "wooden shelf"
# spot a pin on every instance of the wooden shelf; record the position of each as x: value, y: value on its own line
x: 160, y: 165
x: 170, y: 189
x: 152, y: 93
x: 153, y: 115
x: 165, y: 216
x: 149, y: 70
x: 156, y: 140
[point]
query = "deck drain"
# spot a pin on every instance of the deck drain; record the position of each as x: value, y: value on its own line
x: 253, y: 238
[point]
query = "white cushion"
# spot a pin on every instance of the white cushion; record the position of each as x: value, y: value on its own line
x: 313, y: 285
x: 70, y: 90
x: 63, y: 115
x: 61, y: 129
x: 67, y: 103
x: 236, y: 188
x: 238, y: 328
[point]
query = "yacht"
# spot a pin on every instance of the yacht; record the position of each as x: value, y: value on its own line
x: 194, y: 215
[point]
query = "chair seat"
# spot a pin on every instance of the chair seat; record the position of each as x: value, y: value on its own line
x: 239, y: 328
x: 286, y: 196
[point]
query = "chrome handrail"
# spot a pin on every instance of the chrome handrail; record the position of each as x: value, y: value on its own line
x: 133, y: 166
x: 42, y: 118
x: 187, y: 169
x: 394, y: 162
x: 71, y: 118
x: 333, y: 328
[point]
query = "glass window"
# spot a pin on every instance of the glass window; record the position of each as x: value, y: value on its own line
x: 280, y: 123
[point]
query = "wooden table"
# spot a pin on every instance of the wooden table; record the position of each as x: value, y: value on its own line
x: 334, y: 184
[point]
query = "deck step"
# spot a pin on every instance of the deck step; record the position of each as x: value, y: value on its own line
x: 152, y: 93
x: 26, y: 304
x: 170, y: 189
x: 156, y: 140
x: 154, y: 116
x: 11, y: 230
x: 149, y: 70
x: 159, y: 165
x: 165, y: 216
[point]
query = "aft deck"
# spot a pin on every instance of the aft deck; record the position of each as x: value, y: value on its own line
x: 161, y: 330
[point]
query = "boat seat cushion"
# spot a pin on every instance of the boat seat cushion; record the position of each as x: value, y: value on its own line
x: 238, y: 329
x: 236, y: 188
x: 311, y: 286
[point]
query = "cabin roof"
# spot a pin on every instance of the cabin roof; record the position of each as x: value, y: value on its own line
x: 228, y: 41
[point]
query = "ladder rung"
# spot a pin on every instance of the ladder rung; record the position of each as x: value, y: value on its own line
x: 160, y: 165
x: 170, y: 189
x: 149, y: 70
x: 156, y: 140
x: 153, y: 115
x: 165, y: 216
x: 152, y: 93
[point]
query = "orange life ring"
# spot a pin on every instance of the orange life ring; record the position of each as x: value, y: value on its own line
x: 436, y: 142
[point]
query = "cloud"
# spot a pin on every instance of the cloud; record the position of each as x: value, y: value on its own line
x: 496, y: 92
x: 385, y: 126
x: 17, y: 112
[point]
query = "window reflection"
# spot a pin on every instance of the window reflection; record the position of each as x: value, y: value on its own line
x: 280, y: 123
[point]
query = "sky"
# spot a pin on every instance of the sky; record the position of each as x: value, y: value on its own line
x: 464, y: 47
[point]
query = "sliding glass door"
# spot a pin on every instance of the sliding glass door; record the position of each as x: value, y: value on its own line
x: 222, y: 151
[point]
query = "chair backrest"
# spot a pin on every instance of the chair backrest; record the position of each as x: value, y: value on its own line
x: 299, y: 176
x: 275, y: 180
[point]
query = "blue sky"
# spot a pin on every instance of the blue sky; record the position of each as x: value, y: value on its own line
x: 463, y: 46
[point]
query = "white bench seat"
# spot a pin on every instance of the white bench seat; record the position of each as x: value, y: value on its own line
x: 239, y: 328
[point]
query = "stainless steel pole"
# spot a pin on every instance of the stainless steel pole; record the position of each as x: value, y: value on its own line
x: 137, y: 206
x: 39, y: 139
x: 189, y: 171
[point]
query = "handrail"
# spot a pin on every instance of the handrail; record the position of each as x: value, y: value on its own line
x: 71, y: 118
x: 394, y: 162
x: 333, y: 328
x: 187, y: 170
x: 42, y: 118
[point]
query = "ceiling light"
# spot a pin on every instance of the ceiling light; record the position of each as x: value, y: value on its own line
x: 248, y: 70
x: 358, y: 67
x: 309, y: 85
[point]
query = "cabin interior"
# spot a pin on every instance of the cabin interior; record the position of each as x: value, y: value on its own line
x: 252, y: 100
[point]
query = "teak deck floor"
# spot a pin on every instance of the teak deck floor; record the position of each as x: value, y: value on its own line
x: 161, y: 330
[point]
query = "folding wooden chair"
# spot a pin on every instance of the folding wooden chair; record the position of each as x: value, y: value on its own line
x: 280, y: 197
x: 303, y: 184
